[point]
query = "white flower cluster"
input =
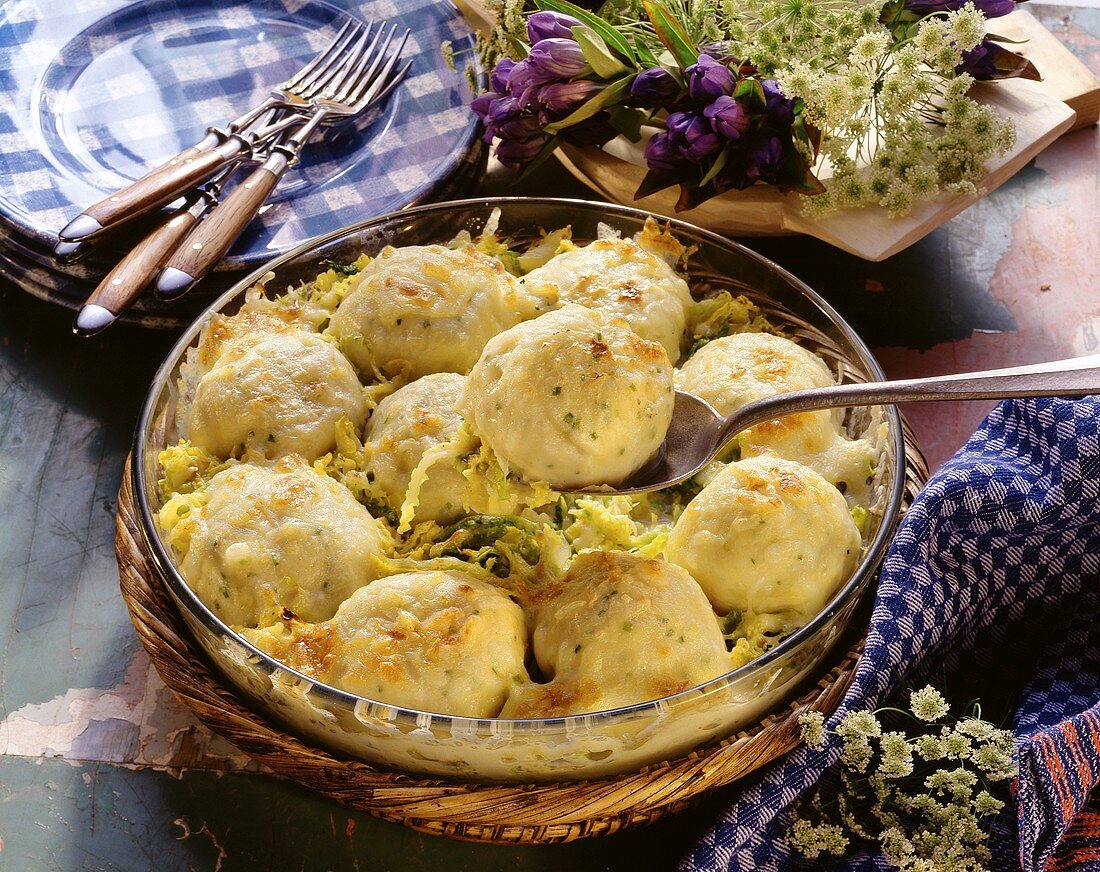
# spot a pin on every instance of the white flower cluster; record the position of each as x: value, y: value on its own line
x: 921, y: 799
x: 897, y: 125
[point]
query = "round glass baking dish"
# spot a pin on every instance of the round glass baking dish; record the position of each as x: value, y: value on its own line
x: 553, y: 749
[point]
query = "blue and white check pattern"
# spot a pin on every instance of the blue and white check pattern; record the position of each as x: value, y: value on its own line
x: 993, y: 570
x: 96, y: 91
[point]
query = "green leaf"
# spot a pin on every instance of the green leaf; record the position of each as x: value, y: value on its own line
x: 645, y: 55
x: 609, y: 96
x: 597, y: 54
x: 627, y: 121
x: 609, y: 34
x: 716, y: 167
x: 671, y: 33
x: 751, y: 93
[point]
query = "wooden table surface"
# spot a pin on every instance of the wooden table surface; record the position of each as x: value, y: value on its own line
x: 102, y: 769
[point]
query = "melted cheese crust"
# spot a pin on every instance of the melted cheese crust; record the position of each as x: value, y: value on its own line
x: 277, y: 537
x: 405, y: 425
x: 733, y: 370
x: 277, y: 395
x: 619, y: 630
x: 571, y: 398
x: 435, y: 641
x: 619, y: 278
x: 424, y: 309
x: 767, y: 536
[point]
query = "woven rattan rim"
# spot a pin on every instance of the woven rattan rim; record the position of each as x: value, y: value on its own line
x: 497, y: 813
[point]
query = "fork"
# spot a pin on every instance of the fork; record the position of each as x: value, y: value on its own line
x: 366, y: 77
x: 199, y: 162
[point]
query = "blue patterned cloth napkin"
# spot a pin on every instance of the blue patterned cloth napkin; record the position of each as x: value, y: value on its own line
x: 990, y: 584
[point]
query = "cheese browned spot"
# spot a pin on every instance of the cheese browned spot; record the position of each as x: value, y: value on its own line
x: 619, y: 630
x: 621, y: 279
x: 281, y: 394
x: 434, y: 641
x: 766, y: 536
x: 427, y: 308
x: 571, y: 398
x: 277, y: 537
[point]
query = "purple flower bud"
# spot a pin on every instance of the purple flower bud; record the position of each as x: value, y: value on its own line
x: 654, y: 88
x: 989, y: 8
x: 507, y: 120
x: 558, y: 59
x: 780, y: 109
x: 661, y: 154
x: 709, y: 79
x: 727, y: 117
x: 980, y: 62
x: 524, y: 79
x: 498, y: 79
x: 693, y: 136
x: 550, y: 25
x: 517, y: 152
x: 593, y: 131
x: 558, y: 99
x: 722, y: 52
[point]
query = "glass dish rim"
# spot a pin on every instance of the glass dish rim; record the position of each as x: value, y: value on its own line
x: 183, y: 594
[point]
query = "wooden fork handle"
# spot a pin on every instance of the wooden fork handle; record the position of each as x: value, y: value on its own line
x: 125, y: 283
x: 189, y: 168
x: 210, y: 240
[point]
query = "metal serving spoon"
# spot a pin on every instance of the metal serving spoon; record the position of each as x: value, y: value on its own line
x: 698, y: 433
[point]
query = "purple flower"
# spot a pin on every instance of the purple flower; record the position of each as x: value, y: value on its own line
x: 505, y: 119
x: 708, y: 79
x: 654, y: 87
x: 764, y: 157
x: 498, y: 78
x: 990, y: 8
x: 780, y: 109
x: 980, y: 62
x: 661, y: 154
x: 524, y: 79
x: 592, y: 131
x: 550, y: 25
x: 517, y: 152
x: 693, y: 136
x: 720, y: 51
x: 557, y: 59
x: 558, y: 99
x: 727, y: 117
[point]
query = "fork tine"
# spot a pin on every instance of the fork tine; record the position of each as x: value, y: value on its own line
x: 312, y: 86
x: 393, y: 82
x: 370, y: 62
x: 368, y: 89
x: 333, y: 79
x: 366, y: 75
x: 352, y: 71
x: 302, y: 74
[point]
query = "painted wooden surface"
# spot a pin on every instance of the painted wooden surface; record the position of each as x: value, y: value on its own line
x: 101, y: 769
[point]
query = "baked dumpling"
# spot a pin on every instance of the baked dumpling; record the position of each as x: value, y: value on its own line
x: 282, y: 393
x: 571, y: 398
x: 619, y: 278
x: 275, y: 537
x: 766, y: 536
x: 427, y: 308
x: 433, y: 641
x: 620, y: 630
x: 734, y: 370
x: 406, y: 424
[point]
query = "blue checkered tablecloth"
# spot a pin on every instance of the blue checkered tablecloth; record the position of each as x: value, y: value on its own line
x: 990, y: 589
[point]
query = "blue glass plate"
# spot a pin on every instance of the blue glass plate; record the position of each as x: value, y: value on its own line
x: 94, y: 93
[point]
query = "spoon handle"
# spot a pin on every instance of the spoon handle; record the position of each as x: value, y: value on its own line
x: 1076, y: 377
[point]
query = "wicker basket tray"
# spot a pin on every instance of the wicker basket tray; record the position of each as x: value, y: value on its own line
x: 497, y: 813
